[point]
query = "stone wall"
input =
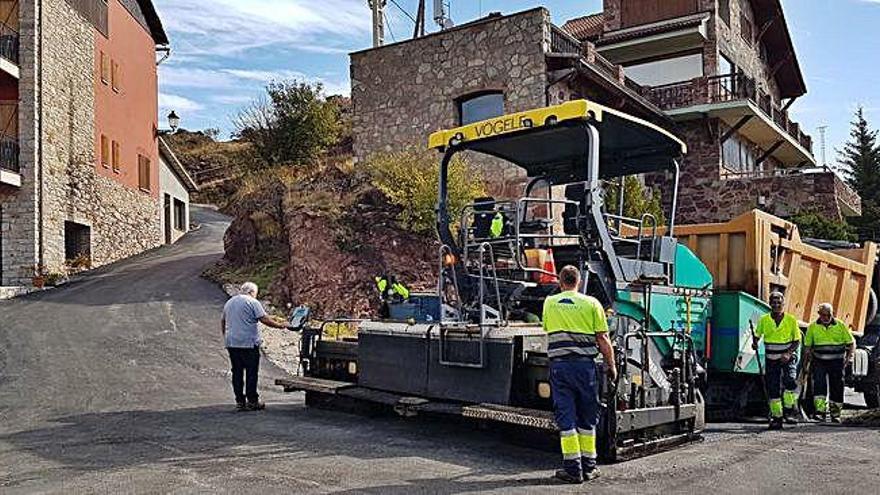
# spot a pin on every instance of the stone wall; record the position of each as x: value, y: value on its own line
x: 746, y: 56
x: 123, y: 221
x: 19, y: 210
x: 705, y: 196
x: 404, y: 91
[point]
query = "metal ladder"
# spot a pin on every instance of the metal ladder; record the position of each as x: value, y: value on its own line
x: 458, y: 331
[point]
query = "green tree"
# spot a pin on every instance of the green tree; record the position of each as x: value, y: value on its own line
x: 637, y: 200
x: 818, y: 226
x: 860, y: 158
x: 409, y: 179
x: 291, y: 125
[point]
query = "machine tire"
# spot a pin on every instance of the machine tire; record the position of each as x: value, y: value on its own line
x: 700, y: 420
x: 872, y: 395
x: 871, y: 384
x: 873, y: 307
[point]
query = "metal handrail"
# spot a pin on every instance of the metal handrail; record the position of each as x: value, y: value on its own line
x: 483, y: 249
x: 446, y: 250
x: 653, y: 219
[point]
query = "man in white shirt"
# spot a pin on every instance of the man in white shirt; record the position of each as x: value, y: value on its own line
x: 239, y: 326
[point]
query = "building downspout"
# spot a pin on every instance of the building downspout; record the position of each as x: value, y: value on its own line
x: 39, y: 151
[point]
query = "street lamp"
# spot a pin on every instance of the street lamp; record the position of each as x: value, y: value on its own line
x: 173, y: 124
x: 173, y: 121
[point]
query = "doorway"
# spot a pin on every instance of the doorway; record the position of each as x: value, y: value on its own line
x: 168, y: 219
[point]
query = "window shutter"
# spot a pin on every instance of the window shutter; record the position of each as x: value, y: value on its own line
x: 105, y: 151
x: 116, y: 164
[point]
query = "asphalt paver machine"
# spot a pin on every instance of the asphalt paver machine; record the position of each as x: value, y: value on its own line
x: 476, y: 348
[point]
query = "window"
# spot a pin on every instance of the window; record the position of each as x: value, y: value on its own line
x: 179, y: 215
x: 737, y: 155
x: 143, y: 172
x: 105, y: 68
x: 745, y: 28
x: 116, y: 164
x: 115, y: 76
x: 105, y: 151
x: 724, y: 11
x: 482, y: 106
x: 667, y: 71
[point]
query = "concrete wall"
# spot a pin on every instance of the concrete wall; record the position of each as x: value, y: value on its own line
x: 169, y: 184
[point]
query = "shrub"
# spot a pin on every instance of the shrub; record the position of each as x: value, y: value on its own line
x: 409, y: 179
x: 816, y: 226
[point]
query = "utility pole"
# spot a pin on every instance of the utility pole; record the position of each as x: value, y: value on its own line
x: 822, y: 129
x: 378, y: 7
x: 420, y: 20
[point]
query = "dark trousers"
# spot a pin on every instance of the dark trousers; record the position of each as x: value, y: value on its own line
x: 781, y: 377
x: 576, y: 407
x: 245, y: 360
x: 828, y: 375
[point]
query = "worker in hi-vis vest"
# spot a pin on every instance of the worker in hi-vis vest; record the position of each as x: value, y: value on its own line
x: 782, y: 337
x: 390, y: 290
x: 830, y: 346
x: 577, y: 332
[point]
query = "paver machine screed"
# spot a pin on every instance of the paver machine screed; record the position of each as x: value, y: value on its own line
x: 476, y: 348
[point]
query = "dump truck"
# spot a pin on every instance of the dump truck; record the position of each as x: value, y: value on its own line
x: 475, y: 348
x: 757, y: 253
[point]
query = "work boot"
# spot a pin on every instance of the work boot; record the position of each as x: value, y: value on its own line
x: 566, y: 477
x: 240, y: 406
x: 775, y: 424
x: 591, y: 474
x: 790, y: 416
x: 256, y: 406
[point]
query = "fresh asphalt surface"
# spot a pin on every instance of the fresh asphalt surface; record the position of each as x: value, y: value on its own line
x: 117, y: 383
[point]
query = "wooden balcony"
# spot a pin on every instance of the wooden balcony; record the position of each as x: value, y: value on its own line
x: 9, y: 39
x: 9, y: 148
x: 725, y: 89
x: 741, y: 104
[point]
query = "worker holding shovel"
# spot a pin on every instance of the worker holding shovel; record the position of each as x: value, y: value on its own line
x: 782, y: 337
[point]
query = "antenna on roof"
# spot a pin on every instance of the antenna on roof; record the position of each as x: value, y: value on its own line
x: 822, y: 129
x: 441, y: 14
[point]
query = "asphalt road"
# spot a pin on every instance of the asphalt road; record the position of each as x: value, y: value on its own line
x: 117, y: 383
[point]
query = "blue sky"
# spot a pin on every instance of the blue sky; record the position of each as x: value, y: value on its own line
x: 225, y: 51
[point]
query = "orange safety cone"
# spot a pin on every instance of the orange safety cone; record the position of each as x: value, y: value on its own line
x: 548, y: 266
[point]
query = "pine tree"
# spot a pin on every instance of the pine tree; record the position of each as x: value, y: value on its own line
x: 860, y: 159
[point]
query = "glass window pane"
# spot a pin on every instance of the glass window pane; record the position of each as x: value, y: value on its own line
x: 481, y: 107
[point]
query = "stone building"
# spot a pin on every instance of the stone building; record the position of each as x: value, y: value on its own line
x: 79, y: 155
x: 721, y: 74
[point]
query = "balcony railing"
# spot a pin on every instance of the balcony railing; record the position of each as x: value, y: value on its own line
x: 721, y: 89
x: 9, y: 154
x: 9, y: 43
x: 562, y: 42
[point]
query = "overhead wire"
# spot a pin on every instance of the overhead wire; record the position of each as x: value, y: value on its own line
x: 390, y: 30
x: 404, y: 11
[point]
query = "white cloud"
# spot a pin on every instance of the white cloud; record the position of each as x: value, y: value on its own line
x: 265, y: 76
x: 175, y: 76
x: 178, y: 103
x: 227, y: 27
